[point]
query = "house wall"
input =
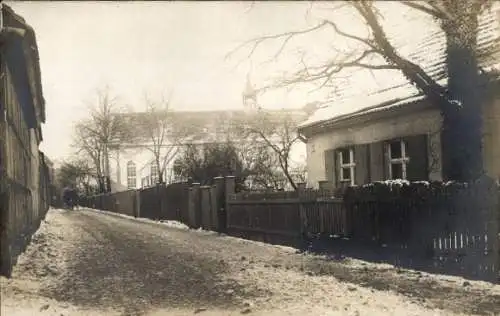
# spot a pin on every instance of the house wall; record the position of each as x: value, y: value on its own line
x: 491, y: 141
x: 35, y: 166
x: 423, y: 122
x: 139, y: 156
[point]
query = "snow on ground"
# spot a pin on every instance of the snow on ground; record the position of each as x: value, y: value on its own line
x: 37, y: 268
x: 171, y: 224
x: 283, y: 277
x: 287, y: 284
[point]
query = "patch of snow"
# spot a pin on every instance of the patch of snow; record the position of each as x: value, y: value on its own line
x: 297, y: 293
x: 41, y: 266
x: 390, y: 183
x: 168, y: 223
x: 426, y: 183
x: 396, y: 182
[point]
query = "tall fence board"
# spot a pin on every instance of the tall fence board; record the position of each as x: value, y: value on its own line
x: 150, y: 206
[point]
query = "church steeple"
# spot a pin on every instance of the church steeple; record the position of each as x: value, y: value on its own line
x: 249, y: 95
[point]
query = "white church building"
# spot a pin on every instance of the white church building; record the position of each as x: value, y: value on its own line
x: 133, y: 167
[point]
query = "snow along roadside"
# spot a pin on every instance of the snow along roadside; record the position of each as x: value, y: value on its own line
x: 41, y: 266
x: 349, y: 263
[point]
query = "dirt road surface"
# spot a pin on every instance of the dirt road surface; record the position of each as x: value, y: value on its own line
x: 90, y: 262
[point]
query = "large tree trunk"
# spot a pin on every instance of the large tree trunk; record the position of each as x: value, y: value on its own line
x: 462, y: 125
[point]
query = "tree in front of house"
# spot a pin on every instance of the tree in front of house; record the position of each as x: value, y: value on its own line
x: 100, y: 134
x: 459, y: 101
x: 202, y: 163
x: 273, y: 139
x: 161, y: 134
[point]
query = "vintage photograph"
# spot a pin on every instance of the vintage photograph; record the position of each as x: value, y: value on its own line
x: 266, y: 158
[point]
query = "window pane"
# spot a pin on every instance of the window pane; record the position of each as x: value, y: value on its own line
x: 346, y: 173
x: 396, y: 150
x: 345, y: 156
x: 397, y: 171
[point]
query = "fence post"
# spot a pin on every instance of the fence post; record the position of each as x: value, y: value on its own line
x: 137, y: 211
x: 302, y: 212
x: 205, y: 207
x: 229, y: 188
x: 190, y: 208
x: 195, y: 215
x: 219, y: 203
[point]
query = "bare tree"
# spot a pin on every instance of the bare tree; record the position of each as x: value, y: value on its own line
x: 162, y: 133
x: 260, y: 162
x: 459, y: 102
x: 277, y: 136
x: 87, y: 145
x: 103, y: 132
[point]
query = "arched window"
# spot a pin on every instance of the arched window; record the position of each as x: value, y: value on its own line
x: 154, y: 174
x: 131, y: 175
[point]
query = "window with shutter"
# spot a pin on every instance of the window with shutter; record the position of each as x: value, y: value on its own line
x: 346, y: 165
x: 398, y: 159
x: 417, y: 150
x: 330, y: 174
x: 377, y: 162
x: 362, y: 161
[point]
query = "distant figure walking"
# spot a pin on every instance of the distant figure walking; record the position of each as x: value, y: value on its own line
x: 70, y: 197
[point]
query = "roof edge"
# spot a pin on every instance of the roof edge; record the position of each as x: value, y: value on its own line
x: 382, y: 106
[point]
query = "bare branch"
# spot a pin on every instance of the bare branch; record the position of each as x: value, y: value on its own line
x: 327, y: 71
x: 287, y: 36
x: 365, y: 41
x: 433, y: 10
x: 412, y: 71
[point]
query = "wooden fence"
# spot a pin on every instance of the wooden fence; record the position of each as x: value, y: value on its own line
x: 451, y: 229
x: 157, y: 203
x: 25, y: 182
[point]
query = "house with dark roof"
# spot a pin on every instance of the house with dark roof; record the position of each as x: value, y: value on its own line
x: 394, y: 132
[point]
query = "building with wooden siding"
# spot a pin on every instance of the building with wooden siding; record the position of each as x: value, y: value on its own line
x: 24, y: 174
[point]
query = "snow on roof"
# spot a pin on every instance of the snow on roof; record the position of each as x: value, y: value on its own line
x: 393, y: 89
x: 384, y: 98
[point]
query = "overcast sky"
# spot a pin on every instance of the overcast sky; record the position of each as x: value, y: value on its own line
x: 154, y: 47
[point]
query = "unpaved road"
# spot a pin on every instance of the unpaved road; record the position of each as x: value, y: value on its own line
x: 92, y: 263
